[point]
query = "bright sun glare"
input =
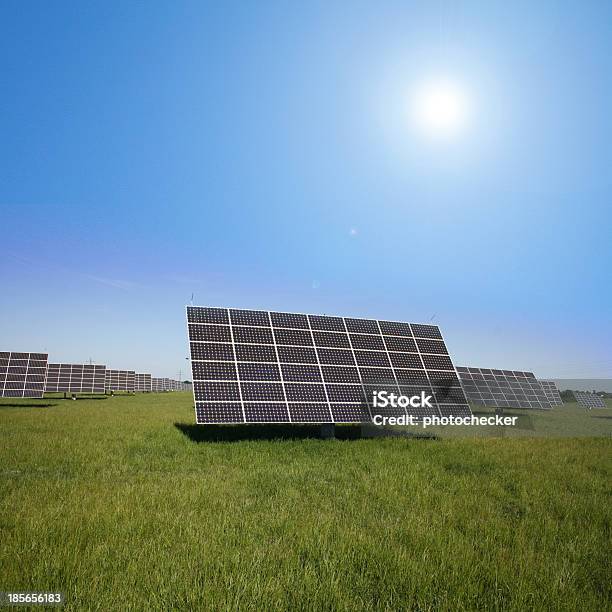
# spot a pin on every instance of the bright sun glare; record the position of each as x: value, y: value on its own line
x: 439, y: 108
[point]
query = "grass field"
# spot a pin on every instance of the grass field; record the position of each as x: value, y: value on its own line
x: 124, y: 504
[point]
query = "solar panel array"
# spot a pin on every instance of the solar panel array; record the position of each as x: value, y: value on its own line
x: 503, y: 388
x: 120, y: 380
x: 75, y: 378
x: 551, y: 392
x: 589, y: 400
x: 142, y: 382
x: 260, y: 366
x: 22, y: 374
x: 29, y: 375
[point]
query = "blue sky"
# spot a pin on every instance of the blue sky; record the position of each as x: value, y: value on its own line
x: 258, y: 156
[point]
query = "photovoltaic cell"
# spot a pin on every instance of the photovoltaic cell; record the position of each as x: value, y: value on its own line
x: 301, y: 373
x: 249, y: 317
x: 255, y: 371
x: 264, y: 367
x: 327, y: 323
x: 286, y: 319
x: 22, y: 374
x: 208, y: 350
x: 331, y: 339
x: 253, y: 335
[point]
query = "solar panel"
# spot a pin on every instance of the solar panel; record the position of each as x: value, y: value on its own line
x: 120, y: 380
x: 22, y: 374
x: 176, y: 385
x: 503, y: 388
x: 551, y: 392
x: 589, y: 400
x: 75, y: 378
x: 157, y: 384
x: 142, y: 382
x: 275, y: 367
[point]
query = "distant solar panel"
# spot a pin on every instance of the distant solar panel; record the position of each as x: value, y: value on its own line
x: 503, y: 388
x: 551, y: 392
x: 120, y: 380
x: 23, y: 374
x: 275, y: 367
x: 175, y: 385
x: 75, y: 378
x: 159, y: 384
x: 142, y: 382
x: 589, y: 400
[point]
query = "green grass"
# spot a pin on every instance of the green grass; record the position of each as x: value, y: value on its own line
x: 114, y: 504
x: 568, y: 420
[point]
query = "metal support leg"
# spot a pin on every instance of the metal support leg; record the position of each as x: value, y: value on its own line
x: 328, y: 431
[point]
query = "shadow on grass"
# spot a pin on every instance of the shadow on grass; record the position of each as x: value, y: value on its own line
x: 29, y: 405
x: 602, y: 416
x: 273, y: 431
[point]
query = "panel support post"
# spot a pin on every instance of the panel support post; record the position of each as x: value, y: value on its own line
x: 328, y: 431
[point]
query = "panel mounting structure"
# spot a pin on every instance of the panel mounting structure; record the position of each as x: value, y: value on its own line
x: 258, y: 366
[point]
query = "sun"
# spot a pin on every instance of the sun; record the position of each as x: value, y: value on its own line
x: 439, y: 108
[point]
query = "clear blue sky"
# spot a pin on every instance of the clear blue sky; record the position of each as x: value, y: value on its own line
x: 151, y: 150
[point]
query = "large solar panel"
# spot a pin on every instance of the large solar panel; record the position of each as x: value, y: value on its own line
x: 503, y: 388
x: 120, y: 380
x: 589, y: 400
x: 142, y: 382
x: 22, y: 374
x: 273, y: 367
x: 551, y: 392
x: 75, y: 378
